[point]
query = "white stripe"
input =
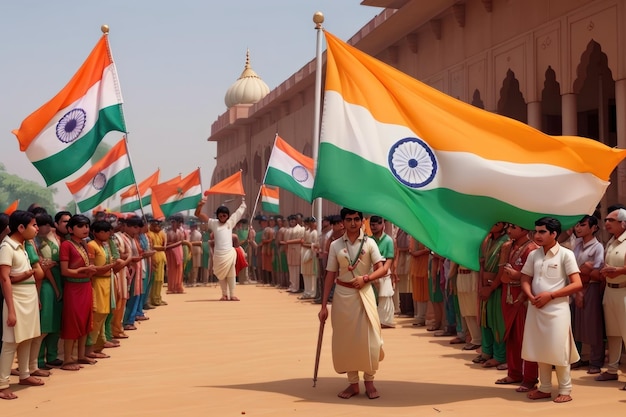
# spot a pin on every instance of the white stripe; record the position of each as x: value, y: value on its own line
x: 270, y: 200
x: 89, y: 190
x: 129, y: 200
x: 283, y: 162
x: 351, y: 126
x: 102, y: 94
x: 195, y: 190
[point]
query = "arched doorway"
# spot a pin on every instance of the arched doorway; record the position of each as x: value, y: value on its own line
x: 512, y: 103
x: 551, y: 116
x: 595, y: 103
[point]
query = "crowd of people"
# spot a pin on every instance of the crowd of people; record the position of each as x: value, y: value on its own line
x: 74, y: 286
x: 538, y: 298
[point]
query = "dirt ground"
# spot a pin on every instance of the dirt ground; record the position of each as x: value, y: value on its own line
x: 198, y: 357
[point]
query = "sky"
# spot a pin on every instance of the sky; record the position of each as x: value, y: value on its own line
x: 175, y: 62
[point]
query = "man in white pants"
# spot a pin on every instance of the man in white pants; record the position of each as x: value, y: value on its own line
x: 224, y: 254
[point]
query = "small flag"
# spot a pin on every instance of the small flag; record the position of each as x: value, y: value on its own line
x: 172, y: 198
x: 103, y: 179
x: 154, y: 204
x: 130, y: 198
x: 61, y: 136
x: 290, y: 170
x: 12, y: 207
x: 270, y: 199
x: 230, y: 185
x: 441, y: 169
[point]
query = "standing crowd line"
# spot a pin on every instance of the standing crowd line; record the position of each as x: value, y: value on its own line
x: 73, y: 287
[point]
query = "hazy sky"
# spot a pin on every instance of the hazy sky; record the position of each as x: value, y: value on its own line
x: 175, y: 61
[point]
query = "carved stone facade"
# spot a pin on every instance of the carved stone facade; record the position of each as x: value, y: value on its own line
x: 558, y: 65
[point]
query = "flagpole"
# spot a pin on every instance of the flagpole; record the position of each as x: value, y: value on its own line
x: 256, y: 202
x: 318, y: 19
x: 118, y: 92
x: 130, y: 162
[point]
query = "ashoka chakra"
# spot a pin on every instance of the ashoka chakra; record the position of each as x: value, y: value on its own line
x: 412, y: 162
x: 71, y: 125
x: 99, y: 181
x: 299, y: 173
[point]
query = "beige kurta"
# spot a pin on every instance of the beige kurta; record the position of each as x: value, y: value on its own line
x: 25, y: 298
x: 357, y: 340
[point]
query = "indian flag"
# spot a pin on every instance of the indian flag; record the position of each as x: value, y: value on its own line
x: 109, y: 175
x: 290, y: 170
x: 270, y: 199
x: 443, y: 170
x: 176, y: 196
x: 130, y: 199
x: 61, y: 136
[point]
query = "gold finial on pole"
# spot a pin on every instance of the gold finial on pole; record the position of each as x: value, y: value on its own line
x: 105, y: 29
x: 318, y: 19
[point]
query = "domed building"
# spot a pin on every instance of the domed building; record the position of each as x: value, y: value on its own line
x: 558, y: 65
x: 248, y: 89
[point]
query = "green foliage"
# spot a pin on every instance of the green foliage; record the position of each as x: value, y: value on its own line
x: 13, y: 187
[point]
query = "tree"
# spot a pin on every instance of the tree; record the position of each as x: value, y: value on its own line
x: 13, y: 187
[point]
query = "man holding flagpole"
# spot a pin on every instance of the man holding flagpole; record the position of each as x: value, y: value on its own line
x: 357, y: 341
x: 224, y: 254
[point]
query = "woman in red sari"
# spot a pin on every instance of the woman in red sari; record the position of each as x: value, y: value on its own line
x: 77, y: 270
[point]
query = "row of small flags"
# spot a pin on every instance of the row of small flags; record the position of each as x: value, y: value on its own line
x: 62, y: 135
x: 439, y: 168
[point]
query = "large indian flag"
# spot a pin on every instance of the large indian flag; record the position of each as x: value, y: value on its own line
x: 290, y: 170
x: 132, y: 201
x: 441, y: 169
x: 176, y: 196
x: 61, y: 136
x: 106, y: 177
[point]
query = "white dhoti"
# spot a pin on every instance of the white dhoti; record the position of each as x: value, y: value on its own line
x: 356, y: 325
x: 224, y: 263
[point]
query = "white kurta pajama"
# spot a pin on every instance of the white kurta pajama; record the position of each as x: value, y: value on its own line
x: 548, y: 337
x: 357, y: 340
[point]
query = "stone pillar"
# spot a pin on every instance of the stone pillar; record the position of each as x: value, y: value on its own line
x: 534, y: 114
x: 569, y: 114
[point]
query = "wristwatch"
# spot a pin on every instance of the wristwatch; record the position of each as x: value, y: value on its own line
x: 366, y: 278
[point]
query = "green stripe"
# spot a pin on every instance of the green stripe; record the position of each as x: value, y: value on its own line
x: 186, y: 203
x: 450, y: 223
x: 122, y: 179
x: 269, y: 207
x: 286, y: 182
x: 134, y: 205
x: 63, y: 164
x: 130, y: 207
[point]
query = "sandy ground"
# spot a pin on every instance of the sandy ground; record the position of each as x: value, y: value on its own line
x: 198, y: 357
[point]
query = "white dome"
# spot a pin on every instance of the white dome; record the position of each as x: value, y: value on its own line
x: 248, y: 89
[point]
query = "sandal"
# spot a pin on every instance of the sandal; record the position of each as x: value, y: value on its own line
x: 224, y: 298
x: 605, y: 376
x: 491, y: 363
x: 506, y: 381
x: 562, y: 398
x: 538, y: 395
x: 526, y: 387
x: 480, y: 359
x: 70, y: 366
x: 7, y: 394
x: 31, y: 381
